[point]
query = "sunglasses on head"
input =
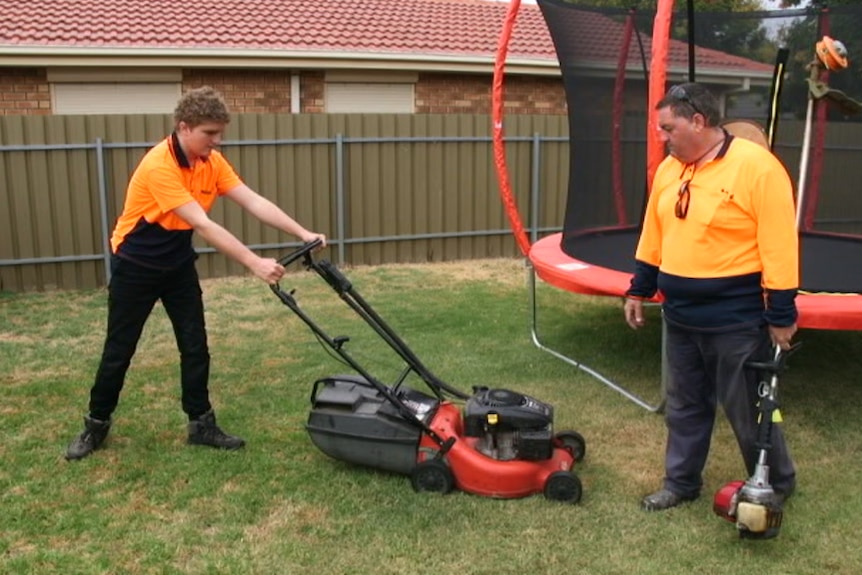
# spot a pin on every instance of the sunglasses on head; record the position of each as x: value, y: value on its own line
x: 678, y: 93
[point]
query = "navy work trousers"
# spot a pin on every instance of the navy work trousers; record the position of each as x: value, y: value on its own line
x: 132, y: 293
x: 706, y: 369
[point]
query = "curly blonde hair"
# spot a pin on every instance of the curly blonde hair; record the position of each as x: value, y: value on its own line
x: 201, y: 105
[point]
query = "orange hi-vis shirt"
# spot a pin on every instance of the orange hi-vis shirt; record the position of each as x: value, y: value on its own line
x: 737, y: 247
x: 148, y: 231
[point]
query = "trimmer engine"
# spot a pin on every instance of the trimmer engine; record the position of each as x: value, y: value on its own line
x: 754, y: 508
x: 509, y: 425
x: 753, y: 504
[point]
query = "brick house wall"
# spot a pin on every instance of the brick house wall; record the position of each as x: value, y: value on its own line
x: 471, y: 94
x: 312, y: 92
x: 245, y: 91
x: 26, y: 91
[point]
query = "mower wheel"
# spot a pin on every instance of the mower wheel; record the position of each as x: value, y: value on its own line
x: 563, y: 486
x: 574, y: 442
x: 432, y: 475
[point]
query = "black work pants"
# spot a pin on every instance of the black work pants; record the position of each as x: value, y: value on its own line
x: 132, y: 293
x: 706, y: 368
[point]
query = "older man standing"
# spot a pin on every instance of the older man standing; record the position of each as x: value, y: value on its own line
x: 719, y: 242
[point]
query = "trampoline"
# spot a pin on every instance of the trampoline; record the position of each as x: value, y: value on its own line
x: 615, y: 65
x: 603, y: 263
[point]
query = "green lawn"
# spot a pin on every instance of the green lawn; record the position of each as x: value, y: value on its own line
x: 148, y: 503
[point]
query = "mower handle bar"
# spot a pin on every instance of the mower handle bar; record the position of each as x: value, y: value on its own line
x: 343, y: 287
x: 304, y: 250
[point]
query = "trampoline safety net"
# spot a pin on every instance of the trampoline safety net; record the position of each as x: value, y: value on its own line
x: 605, y: 59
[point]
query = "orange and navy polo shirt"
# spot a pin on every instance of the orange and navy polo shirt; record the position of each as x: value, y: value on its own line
x: 148, y: 232
x: 734, y: 259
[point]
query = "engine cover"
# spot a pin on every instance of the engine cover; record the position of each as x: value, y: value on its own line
x: 503, y: 417
x: 506, y: 410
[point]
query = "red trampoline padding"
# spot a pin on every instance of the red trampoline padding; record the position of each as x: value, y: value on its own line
x: 559, y: 269
x: 830, y: 311
x: 552, y: 265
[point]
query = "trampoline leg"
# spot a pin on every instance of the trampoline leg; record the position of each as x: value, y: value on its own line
x: 597, y: 375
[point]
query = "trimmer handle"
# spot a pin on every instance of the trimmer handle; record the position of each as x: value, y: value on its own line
x: 778, y: 364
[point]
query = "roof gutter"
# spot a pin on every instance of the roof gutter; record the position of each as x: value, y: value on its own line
x: 733, y: 80
x: 41, y: 56
x: 220, y: 58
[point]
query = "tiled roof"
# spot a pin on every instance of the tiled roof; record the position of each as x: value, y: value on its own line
x: 452, y: 27
x: 420, y: 28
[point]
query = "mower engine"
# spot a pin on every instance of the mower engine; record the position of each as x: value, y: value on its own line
x: 509, y: 425
x: 752, y: 506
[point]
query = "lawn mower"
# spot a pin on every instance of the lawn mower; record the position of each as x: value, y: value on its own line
x: 753, y: 504
x: 499, y: 443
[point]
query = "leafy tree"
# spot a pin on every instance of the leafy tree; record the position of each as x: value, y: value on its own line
x: 736, y: 27
x: 740, y: 36
x: 699, y: 5
x: 729, y: 35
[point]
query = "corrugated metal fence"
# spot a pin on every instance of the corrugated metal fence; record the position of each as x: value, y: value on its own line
x: 384, y: 188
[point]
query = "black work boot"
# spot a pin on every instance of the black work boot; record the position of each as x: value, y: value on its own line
x: 204, y: 431
x: 89, y: 440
